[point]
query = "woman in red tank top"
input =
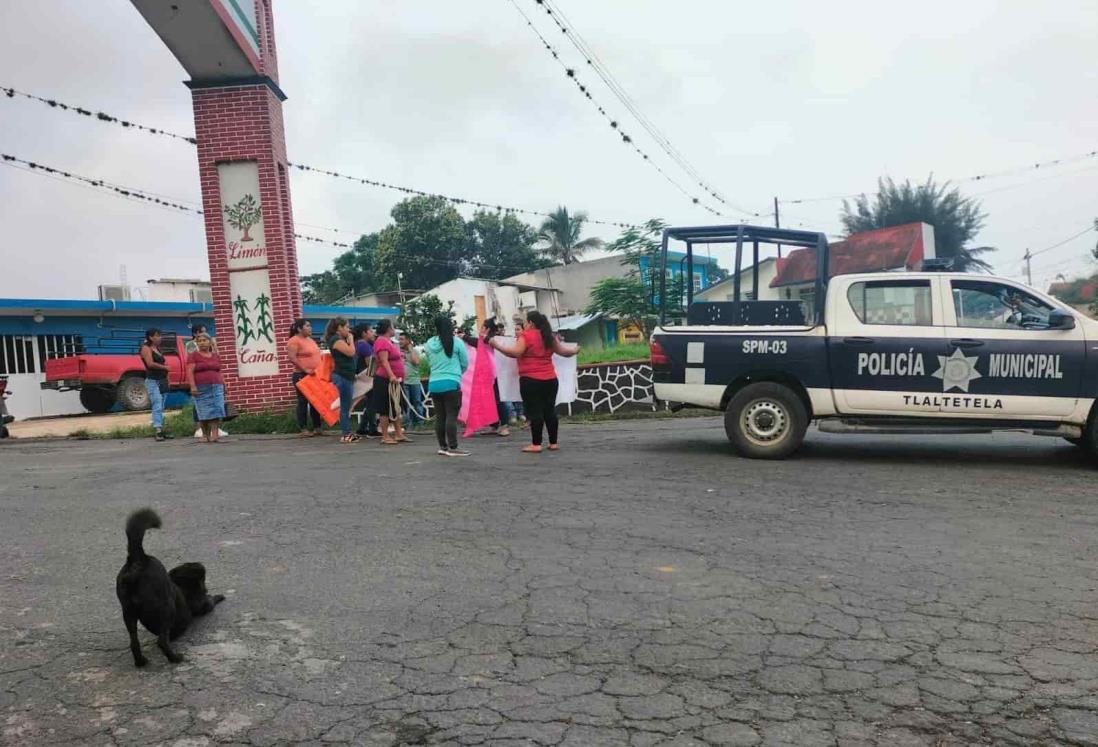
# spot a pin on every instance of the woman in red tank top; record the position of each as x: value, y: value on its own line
x: 538, y: 383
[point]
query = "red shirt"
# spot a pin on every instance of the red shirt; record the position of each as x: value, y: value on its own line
x: 537, y: 361
x: 207, y: 370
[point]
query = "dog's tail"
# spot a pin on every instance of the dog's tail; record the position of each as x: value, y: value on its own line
x: 139, y: 522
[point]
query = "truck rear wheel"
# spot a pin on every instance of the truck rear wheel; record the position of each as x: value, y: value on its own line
x: 766, y: 421
x: 132, y: 394
x: 98, y: 399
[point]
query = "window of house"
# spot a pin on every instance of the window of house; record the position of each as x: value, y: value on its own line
x: 899, y: 302
x: 697, y: 282
x: 17, y: 354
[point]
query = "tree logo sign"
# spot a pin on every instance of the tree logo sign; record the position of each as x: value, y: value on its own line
x: 243, y: 215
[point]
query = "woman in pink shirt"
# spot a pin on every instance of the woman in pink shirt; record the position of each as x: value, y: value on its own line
x: 388, y: 379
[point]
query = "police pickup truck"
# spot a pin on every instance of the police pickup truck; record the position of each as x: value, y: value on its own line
x: 897, y: 352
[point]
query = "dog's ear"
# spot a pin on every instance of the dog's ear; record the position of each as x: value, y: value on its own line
x: 189, y: 575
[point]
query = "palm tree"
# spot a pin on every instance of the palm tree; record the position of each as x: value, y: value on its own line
x: 560, y: 236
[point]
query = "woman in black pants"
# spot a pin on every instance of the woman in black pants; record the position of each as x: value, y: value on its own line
x: 447, y: 362
x: 538, y: 383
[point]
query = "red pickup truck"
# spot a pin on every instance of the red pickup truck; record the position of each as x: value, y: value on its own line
x: 104, y: 379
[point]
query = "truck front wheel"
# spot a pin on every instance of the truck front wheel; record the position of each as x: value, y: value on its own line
x: 132, y: 394
x: 97, y: 399
x: 766, y: 421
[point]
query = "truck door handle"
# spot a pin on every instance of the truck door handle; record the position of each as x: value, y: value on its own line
x: 858, y: 340
x: 966, y: 343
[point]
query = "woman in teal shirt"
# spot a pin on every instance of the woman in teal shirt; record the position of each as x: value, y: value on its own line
x: 337, y: 336
x: 447, y: 362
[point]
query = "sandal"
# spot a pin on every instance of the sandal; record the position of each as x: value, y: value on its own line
x: 531, y: 449
x: 405, y: 440
x: 389, y: 442
x: 554, y: 447
x: 349, y: 439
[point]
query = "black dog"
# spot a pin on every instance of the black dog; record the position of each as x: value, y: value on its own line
x: 165, y: 602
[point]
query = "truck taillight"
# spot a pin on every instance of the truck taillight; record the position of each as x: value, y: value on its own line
x: 658, y: 356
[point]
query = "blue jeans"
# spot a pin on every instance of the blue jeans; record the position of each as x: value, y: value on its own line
x: 156, y: 399
x: 346, y: 389
x: 414, y: 393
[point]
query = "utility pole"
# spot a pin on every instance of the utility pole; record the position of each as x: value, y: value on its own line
x: 1029, y: 268
x: 777, y: 223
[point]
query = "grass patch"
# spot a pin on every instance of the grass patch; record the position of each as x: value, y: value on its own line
x: 631, y: 352
x: 181, y: 424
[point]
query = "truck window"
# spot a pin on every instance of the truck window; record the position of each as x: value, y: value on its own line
x: 898, y: 302
x: 991, y: 305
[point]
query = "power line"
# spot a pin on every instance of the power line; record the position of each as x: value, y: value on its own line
x: 603, y: 72
x: 111, y: 119
x: 570, y: 73
x: 960, y: 180
x: 152, y: 200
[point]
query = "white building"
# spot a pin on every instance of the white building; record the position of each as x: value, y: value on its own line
x: 505, y: 300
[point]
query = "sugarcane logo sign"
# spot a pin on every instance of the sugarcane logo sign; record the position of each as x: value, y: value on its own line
x: 242, y: 215
x: 256, y: 350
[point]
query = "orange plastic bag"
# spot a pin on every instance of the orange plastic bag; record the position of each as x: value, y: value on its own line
x: 321, y: 392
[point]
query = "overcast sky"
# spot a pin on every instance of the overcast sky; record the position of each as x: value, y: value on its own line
x: 790, y: 98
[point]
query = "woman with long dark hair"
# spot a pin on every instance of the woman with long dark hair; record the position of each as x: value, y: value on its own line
x: 538, y: 382
x: 337, y: 335
x: 304, y: 354
x: 156, y: 380
x: 447, y: 362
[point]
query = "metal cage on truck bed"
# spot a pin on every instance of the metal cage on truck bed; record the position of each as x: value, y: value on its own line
x: 739, y: 312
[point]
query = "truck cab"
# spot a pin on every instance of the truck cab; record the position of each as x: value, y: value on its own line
x: 916, y: 352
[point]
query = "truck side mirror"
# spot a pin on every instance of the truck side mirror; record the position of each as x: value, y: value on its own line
x: 1060, y: 320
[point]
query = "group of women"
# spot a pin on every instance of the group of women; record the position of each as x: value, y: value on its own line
x: 533, y: 346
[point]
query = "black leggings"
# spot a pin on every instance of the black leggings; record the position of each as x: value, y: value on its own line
x: 447, y: 406
x: 304, y: 409
x: 539, y: 399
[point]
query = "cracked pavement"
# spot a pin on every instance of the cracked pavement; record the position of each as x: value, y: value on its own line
x: 641, y: 587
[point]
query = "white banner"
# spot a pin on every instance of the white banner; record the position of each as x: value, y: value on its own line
x: 508, y: 379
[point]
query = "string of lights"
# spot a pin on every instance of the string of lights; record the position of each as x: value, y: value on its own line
x: 961, y: 180
x: 152, y: 200
x: 603, y: 72
x: 101, y: 116
x: 110, y: 119
x: 570, y: 73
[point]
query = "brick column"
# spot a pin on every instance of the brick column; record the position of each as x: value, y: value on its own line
x: 249, y: 229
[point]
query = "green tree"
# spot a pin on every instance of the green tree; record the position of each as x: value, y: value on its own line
x: 634, y: 301
x: 353, y: 272
x: 956, y: 219
x: 417, y: 318
x: 500, y: 245
x: 560, y: 236
x: 425, y: 242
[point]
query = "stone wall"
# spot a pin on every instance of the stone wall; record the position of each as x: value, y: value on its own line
x: 610, y: 387
x: 606, y: 387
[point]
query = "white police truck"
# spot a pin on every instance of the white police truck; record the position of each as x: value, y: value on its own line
x: 928, y: 352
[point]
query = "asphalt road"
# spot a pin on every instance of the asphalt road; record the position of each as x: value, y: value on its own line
x: 641, y: 587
